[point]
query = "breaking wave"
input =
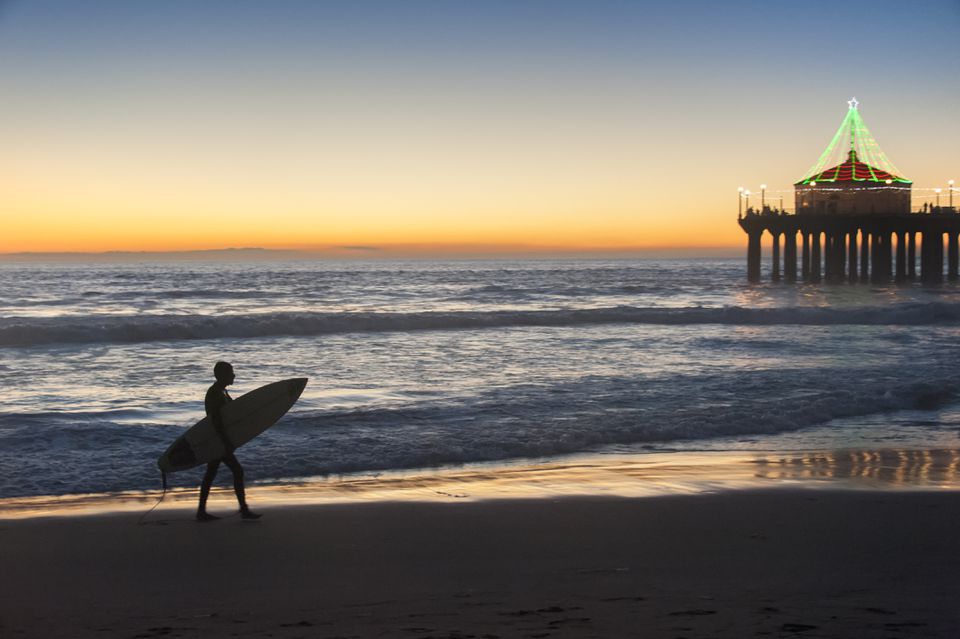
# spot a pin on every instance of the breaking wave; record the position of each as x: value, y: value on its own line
x: 59, y: 453
x: 23, y: 332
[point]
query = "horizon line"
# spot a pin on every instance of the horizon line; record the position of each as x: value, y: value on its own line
x: 374, y: 252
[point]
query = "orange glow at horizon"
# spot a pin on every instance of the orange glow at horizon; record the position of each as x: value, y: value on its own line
x: 147, y: 229
x: 461, y: 126
x: 112, y: 208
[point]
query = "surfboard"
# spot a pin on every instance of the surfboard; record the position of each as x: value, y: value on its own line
x: 243, y: 419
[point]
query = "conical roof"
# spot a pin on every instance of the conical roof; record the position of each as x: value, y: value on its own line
x: 853, y: 170
x: 853, y: 155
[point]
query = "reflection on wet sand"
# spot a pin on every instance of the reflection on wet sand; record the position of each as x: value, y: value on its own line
x: 898, y: 468
x: 614, y: 475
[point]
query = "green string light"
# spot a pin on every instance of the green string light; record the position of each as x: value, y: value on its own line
x: 854, y: 144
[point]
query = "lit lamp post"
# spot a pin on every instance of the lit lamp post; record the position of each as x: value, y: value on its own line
x: 739, y: 201
x: 746, y: 194
x: 763, y: 197
x: 950, y: 184
x: 937, y: 191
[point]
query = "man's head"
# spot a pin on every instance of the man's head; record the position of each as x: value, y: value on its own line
x: 223, y: 371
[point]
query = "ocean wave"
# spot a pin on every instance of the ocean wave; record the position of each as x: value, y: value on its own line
x: 201, y: 293
x: 543, y: 424
x: 22, y: 332
x: 498, y: 424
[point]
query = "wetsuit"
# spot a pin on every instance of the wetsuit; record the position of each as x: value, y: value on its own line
x: 217, y: 396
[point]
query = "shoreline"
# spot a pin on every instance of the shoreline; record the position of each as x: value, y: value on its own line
x: 617, y: 475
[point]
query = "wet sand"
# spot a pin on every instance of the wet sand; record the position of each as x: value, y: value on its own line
x: 586, y: 475
x: 742, y: 563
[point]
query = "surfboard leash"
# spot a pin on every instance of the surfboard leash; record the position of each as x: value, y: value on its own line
x: 163, y: 478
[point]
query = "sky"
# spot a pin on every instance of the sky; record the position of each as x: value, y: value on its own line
x: 446, y: 126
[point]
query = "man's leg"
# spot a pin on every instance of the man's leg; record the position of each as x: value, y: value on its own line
x: 208, y: 477
x: 238, y: 487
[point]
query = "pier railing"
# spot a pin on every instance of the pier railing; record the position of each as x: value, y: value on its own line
x: 917, y: 210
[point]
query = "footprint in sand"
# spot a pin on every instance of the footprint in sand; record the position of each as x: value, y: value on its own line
x: 557, y: 622
x: 559, y: 609
x: 611, y: 599
x: 904, y: 624
x: 297, y: 624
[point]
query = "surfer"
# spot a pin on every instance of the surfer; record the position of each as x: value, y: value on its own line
x: 217, y: 396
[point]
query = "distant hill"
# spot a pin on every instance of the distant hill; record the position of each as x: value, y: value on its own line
x: 212, y: 255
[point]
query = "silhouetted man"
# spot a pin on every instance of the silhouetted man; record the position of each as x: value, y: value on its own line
x: 214, y: 402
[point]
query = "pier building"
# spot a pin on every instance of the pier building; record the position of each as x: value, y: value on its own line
x: 853, y: 217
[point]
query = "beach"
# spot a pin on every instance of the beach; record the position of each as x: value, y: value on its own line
x: 777, y: 562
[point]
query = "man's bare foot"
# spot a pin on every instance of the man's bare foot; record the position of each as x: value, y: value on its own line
x: 205, y: 516
x: 246, y: 513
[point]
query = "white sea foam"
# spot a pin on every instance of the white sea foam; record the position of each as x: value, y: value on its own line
x: 20, y: 332
x: 93, y: 453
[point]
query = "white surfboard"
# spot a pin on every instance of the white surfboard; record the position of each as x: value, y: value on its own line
x: 243, y: 419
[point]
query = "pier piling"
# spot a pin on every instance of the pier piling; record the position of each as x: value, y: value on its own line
x: 853, y: 248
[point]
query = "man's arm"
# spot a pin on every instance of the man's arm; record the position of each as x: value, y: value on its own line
x: 214, y: 404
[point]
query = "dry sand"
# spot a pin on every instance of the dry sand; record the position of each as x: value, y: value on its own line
x: 748, y: 563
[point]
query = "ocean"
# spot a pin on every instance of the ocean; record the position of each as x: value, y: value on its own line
x: 424, y: 364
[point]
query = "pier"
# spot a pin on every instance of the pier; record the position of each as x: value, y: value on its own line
x: 871, y: 248
x: 853, y: 220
